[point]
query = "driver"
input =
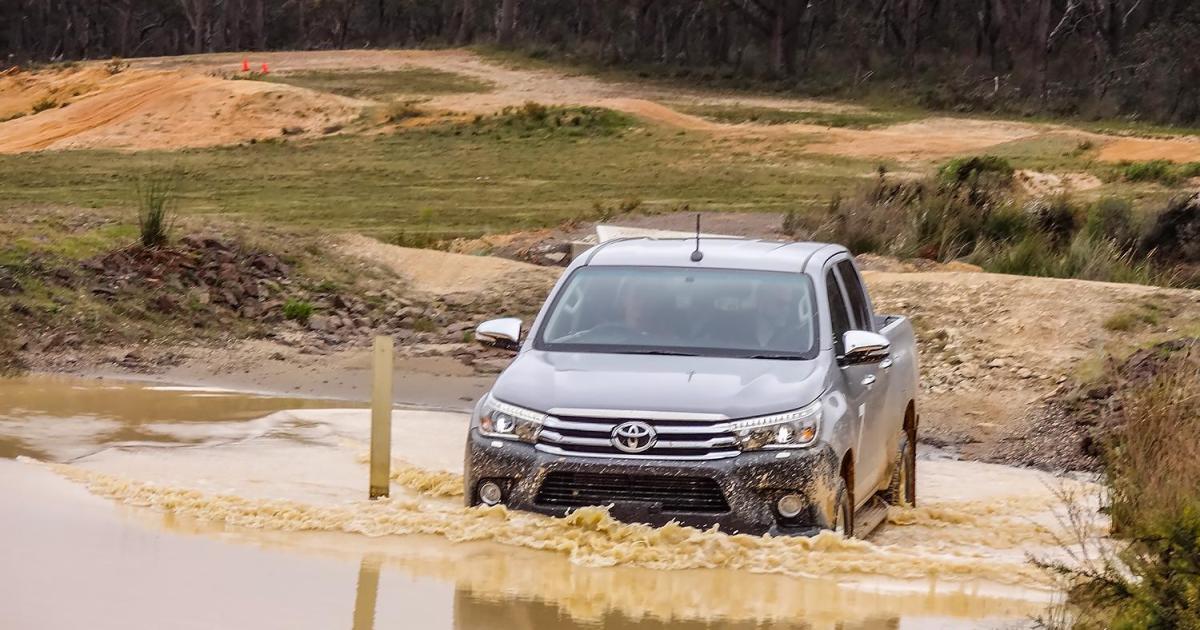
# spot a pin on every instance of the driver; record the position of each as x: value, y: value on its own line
x: 646, y: 311
x: 776, y: 316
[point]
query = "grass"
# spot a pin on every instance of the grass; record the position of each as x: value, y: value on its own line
x: 298, y: 310
x: 380, y: 84
x: 1127, y: 319
x: 156, y: 209
x: 499, y: 173
x: 44, y: 104
x: 1152, y: 580
x: 736, y: 114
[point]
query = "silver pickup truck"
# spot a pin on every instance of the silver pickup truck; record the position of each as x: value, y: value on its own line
x: 741, y: 383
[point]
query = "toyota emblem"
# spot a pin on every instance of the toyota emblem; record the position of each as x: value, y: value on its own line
x: 634, y: 436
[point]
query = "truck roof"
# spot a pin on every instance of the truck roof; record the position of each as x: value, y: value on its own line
x: 719, y: 253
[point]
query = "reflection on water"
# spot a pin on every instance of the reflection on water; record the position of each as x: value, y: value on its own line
x: 209, y: 536
x: 59, y: 417
x: 366, y: 591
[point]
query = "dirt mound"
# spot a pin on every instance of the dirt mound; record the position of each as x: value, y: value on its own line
x: 1068, y: 431
x: 140, y: 109
x: 439, y: 272
x: 1045, y: 184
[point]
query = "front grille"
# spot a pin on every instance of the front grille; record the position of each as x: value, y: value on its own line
x: 676, y: 439
x: 674, y: 494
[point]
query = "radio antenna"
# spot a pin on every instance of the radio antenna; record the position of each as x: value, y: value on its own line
x: 697, y: 255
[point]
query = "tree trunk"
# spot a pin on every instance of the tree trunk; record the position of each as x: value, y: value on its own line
x: 258, y: 33
x: 777, y: 45
x: 508, y: 22
x: 466, y: 23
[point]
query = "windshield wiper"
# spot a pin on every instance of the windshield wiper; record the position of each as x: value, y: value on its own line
x: 666, y: 353
x: 780, y: 357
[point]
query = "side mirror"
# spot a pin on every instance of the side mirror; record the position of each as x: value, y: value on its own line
x: 863, y: 346
x: 502, y: 333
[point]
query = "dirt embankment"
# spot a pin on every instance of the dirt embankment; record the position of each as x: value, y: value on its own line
x: 86, y: 107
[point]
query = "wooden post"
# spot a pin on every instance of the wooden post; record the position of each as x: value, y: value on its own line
x: 381, y: 418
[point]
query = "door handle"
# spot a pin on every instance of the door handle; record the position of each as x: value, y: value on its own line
x: 886, y: 363
x: 868, y: 380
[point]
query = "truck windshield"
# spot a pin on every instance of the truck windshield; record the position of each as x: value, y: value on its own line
x: 686, y: 311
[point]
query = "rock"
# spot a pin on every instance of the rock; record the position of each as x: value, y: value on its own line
x: 164, y: 303
x: 8, y: 284
x: 459, y: 328
x: 319, y: 323
x: 491, y: 366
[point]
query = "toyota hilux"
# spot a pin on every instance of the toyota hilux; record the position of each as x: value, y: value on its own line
x: 746, y: 384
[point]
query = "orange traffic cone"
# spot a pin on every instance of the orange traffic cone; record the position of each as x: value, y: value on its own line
x: 245, y: 65
x: 264, y: 70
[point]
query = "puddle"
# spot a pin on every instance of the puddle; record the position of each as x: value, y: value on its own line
x: 255, y: 518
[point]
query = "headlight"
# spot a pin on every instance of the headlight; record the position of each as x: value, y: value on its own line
x: 502, y: 420
x: 783, y: 430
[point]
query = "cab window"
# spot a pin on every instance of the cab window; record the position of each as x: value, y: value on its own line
x: 839, y: 318
x: 859, y: 307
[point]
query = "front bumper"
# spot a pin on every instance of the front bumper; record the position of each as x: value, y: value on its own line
x: 751, y: 483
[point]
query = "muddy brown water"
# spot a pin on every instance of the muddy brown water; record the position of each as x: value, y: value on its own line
x: 141, y: 506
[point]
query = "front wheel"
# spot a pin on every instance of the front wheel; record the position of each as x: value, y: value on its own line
x: 903, y: 489
x: 843, y: 515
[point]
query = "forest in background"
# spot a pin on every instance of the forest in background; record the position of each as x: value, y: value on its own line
x: 1086, y: 58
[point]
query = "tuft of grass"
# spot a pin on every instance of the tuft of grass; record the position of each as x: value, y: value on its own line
x: 44, y: 104
x: 298, y: 310
x: 424, y: 324
x: 1112, y: 219
x: 155, y: 197
x: 398, y: 111
x: 383, y: 84
x: 1159, y: 171
x: 116, y: 65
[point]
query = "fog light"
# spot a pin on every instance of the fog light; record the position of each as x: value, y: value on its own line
x: 789, y: 505
x: 490, y: 493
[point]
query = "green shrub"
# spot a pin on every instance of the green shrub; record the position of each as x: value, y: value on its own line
x: 1111, y: 219
x: 1160, y: 171
x: 975, y: 169
x: 298, y: 310
x: 535, y: 118
x: 156, y: 209
x: 1151, y: 465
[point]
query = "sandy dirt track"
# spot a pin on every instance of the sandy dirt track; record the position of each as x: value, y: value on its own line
x: 178, y: 102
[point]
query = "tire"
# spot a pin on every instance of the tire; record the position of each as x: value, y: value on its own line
x: 843, y: 514
x: 903, y: 488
